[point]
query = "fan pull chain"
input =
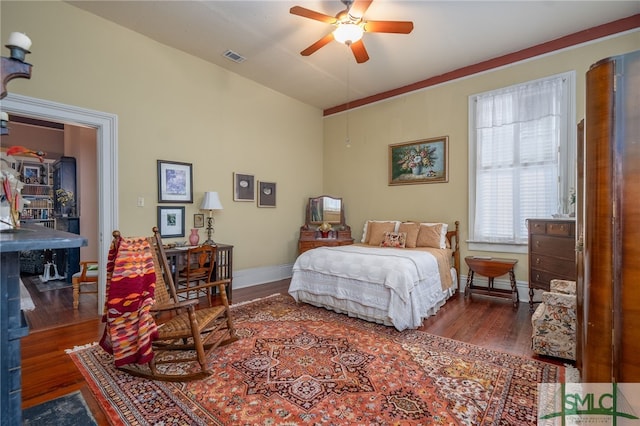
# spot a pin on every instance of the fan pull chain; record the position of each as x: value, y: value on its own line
x: 347, y: 141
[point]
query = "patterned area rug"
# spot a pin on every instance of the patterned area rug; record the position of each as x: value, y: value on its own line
x: 297, y: 364
x: 68, y: 410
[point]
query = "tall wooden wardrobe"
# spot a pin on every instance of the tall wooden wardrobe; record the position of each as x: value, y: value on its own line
x: 609, y: 224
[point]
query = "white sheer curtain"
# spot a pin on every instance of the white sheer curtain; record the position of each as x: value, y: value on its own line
x: 518, y: 133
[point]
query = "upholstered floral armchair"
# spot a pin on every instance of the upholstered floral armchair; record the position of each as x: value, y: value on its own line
x: 554, y: 321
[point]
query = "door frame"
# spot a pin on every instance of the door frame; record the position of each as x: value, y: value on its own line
x: 106, y: 126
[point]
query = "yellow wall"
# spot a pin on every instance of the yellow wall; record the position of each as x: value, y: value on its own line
x: 173, y: 106
x: 359, y: 174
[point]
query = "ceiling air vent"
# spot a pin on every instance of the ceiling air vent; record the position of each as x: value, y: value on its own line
x: 233, y: 56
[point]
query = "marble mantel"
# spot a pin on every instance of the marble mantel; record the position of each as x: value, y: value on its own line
x: 12, y: 324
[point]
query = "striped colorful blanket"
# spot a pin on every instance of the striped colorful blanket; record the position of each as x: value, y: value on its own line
x: 130, y: 327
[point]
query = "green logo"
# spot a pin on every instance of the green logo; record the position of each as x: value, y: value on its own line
x: 585, y: 402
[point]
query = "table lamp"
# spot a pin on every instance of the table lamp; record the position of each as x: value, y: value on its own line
x: 210, y: 202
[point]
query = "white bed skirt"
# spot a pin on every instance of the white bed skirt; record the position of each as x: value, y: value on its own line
x: 367, y: 301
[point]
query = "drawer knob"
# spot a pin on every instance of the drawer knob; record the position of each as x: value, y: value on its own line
x: 537, y: 277
x: 537, y: 243
x: 538, y: 261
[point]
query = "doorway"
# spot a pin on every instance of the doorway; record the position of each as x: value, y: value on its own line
x: 106, y: 127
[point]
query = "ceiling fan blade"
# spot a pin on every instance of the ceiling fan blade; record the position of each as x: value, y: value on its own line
x: 317, y: 45
x: 359, y: 7
x: 307, y: 13
x: 398, y: 27
x: 359, y: 51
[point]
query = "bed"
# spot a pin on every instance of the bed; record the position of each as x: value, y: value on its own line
x: 397, y: 275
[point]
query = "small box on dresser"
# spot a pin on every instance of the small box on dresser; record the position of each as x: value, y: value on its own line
x: 552, y: 253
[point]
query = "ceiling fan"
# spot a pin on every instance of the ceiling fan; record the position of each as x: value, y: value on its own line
x: 350, y: 26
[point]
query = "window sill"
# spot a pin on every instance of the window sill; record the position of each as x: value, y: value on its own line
x: 498, y: 247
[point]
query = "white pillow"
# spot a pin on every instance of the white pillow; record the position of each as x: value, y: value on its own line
x: 364, y: 230
x: 443, y: 232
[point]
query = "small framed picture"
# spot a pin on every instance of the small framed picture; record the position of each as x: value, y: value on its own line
x: 243, y: 187
x: 31, y: 174
x: 171, y: 221
x: 266, y: 194
x: 175, y: 182
x: 198, y: 220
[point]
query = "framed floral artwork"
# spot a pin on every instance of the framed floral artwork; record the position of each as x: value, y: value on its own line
x: 243, y: 187
x: 175, y: 182
x: 266, y: 194
x: 171, y: 221
x: 421, y: 161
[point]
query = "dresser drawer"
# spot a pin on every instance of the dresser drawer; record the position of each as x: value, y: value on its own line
x: 561, y: 229
x: 537, y: 227
x: 311, y: 244
x: 564, y: 267
x: 552, y: 227
x: 563, y: 248
x: 542, y: 279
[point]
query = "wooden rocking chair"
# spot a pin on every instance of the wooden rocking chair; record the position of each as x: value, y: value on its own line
x: 185, y: 335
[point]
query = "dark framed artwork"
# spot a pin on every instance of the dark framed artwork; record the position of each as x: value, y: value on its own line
x: 243, y: 187
x: 421, y: 161
x: 266, y: 194
x: 171, y: 221
x: 175, y: 182
x: 198, y: 220
x: 31, y: 174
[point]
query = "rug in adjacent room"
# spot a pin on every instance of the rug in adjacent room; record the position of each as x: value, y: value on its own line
x: 68, y: 410
x: 46, y: 286
x: 298, y: 364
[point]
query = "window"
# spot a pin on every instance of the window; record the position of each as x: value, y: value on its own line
x: 521, y: 160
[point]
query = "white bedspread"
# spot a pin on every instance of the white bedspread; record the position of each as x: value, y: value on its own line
x: 397, y: 287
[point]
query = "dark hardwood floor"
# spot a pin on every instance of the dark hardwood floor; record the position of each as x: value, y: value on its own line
x: 48, y: 372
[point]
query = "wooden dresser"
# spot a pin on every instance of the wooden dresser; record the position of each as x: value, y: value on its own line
x: 552, y: 255
x: 310, y: 239
x: 324, y: 209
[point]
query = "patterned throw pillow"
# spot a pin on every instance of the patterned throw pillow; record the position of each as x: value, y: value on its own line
x: 394, y: 239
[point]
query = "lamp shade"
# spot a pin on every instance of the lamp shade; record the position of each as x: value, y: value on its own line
x: 348, y: 33
x: 211, y: 201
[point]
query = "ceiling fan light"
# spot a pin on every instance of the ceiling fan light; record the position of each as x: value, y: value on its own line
x: 348, y: 33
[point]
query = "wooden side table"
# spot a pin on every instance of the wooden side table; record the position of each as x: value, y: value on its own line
x: 492, y: 267
x: 223, y: 268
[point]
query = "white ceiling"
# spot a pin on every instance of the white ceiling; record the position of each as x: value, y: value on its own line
x: 447, y: 35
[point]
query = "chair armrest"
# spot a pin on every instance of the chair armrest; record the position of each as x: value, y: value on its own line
x: 209, y: 284
x: 86, y: 273
x: 563, y: 286
x: 559, y: 300
x: 191, y: 303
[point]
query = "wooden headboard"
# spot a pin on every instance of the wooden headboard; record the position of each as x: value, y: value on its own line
x: 454, y: 241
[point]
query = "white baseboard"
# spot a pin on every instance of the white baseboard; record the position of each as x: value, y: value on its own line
x: 255, y: 276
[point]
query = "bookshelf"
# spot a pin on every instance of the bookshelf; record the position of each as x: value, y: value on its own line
x: 38, y: 189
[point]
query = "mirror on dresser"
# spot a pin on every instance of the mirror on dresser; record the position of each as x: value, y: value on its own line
x: 324, y: 224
